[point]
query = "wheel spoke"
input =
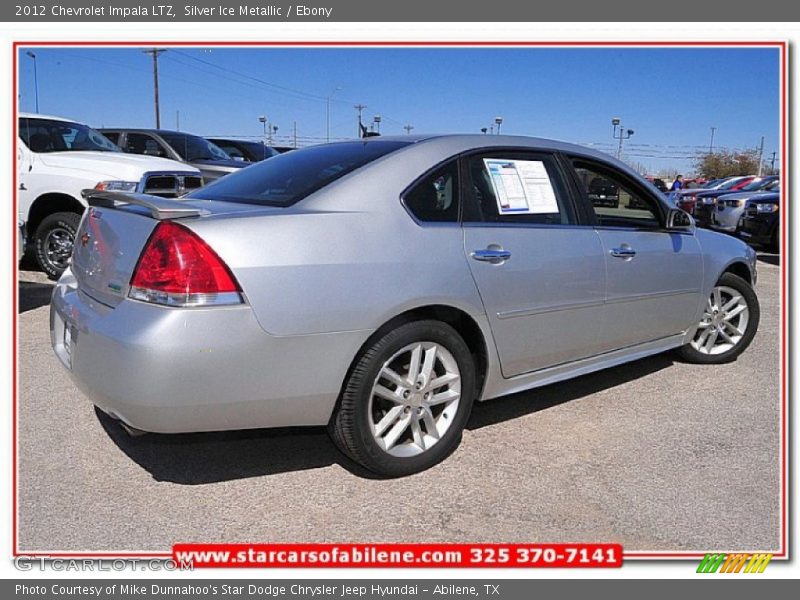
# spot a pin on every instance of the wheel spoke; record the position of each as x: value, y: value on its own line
x: 735, y: 312
x: 413, y: 367
x: 712, y: 340
x: 393, y: 376
x: 397, y: 430
x: 701, y: 340
x: 416, y: 433
x: 386, y: 394
x: 430, y: 361
x: 443, y: 380
x: 724, y: 335
x: 388, y: 420
x: 430, y: 423
x: 732, y: 328
x: 717, y: 298
x: 731, y: 303
x: 443, y: 397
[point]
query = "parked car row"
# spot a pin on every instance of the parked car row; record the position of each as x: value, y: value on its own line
x: 732, y: 205
x: 57, y: 159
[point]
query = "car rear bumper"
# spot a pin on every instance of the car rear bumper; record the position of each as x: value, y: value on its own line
x: 182, y: 370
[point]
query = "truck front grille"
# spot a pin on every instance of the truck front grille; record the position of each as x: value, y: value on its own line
x: 171, y: 186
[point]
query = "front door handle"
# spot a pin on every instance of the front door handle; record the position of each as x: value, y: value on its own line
x: 492, y: 255
x: 623, y: 251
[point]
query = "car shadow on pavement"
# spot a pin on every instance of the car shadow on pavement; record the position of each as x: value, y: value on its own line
x: 202, y: 458
x: 530, y: 401
x: 770, y: 259
x: 32, y: 295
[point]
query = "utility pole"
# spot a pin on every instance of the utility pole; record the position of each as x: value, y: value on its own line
x: 154, y: 52
x: 711, y: 145
x: 408, y: 128
x: 761, y: 157
x: 360, y: 108
x: 328, y: 115
x: 35, y: 78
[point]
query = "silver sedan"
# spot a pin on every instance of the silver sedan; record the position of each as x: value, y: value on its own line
x: 381, y: 286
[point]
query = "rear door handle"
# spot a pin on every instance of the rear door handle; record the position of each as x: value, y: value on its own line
x: 492, y: 255
x: 623, y: 251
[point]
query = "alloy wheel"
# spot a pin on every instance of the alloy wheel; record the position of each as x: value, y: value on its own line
x: 724, y: 322
x: 58, y: 247
x: 414, y: 399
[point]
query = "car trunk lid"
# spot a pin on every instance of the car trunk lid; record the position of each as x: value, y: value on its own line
x: 111, y: 237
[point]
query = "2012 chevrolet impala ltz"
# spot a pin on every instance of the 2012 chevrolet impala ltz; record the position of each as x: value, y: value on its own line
x: 381, y: 286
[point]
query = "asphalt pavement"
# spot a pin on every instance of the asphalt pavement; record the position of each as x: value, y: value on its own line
x: 656, y: 454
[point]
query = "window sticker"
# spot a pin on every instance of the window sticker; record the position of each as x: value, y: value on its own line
x: 521, y: 187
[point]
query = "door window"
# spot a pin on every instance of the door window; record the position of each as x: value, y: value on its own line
x: 140, y: 143
x: 616, y: 203
x: 518, y: 188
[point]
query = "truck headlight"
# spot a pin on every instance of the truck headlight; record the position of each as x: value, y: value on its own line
x: 117, y: 186
x: 767, y: 208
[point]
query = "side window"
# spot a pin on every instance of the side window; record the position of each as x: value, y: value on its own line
x: 24, y: 132
x: 113, y: 136
x: 435, y: 198
x: 516, y: 188
x: 233, y: 151
x: 140, y: 143
x: 614, y: 203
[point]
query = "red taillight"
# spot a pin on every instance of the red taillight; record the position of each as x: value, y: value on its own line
x: 178, y: 268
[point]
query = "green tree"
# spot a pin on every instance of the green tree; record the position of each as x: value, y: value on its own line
x: 725, y: 163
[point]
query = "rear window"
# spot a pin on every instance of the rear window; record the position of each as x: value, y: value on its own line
x: 288, y: 178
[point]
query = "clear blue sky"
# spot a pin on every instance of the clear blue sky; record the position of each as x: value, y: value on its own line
x: 670, y: 97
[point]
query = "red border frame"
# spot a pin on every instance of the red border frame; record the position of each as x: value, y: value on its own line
x: 783, y: 327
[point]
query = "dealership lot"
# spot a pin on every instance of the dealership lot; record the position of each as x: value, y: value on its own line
x: 655, y: 454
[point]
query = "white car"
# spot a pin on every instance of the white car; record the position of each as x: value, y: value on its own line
x: 57, y: 159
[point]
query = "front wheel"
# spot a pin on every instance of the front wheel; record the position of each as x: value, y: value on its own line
x: 728, y: 325
x: 407, y: 400
x: 53, y: 242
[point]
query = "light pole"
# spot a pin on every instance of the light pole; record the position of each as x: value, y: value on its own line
x: 711, y: 144
x: 35, y: 78
x: 263, y: 120
x: 498, y: 121
x: 377, y: 120
x: 359, y: 109
x: 271, y: 131
x: 624, y: 134
x: 328, y: 114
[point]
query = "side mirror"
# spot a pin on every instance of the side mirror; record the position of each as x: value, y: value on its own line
x: 678, y: 220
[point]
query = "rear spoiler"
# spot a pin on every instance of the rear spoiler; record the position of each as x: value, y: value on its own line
x: 160, y: 208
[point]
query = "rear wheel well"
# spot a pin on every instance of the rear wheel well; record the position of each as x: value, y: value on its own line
x: 740, y: 269
x: 46, y: 205
x: 459, y: 320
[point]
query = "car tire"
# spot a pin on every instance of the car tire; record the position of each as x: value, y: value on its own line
x: 708, y: 351
x: 53, y: 242
x: 365, y: 423
x: 775, y: 242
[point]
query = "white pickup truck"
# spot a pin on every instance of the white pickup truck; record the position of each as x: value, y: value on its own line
x: 57, y: 159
